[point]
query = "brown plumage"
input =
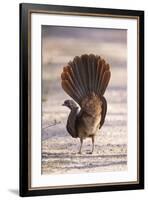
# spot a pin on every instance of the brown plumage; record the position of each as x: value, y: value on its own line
x: 85, y: 80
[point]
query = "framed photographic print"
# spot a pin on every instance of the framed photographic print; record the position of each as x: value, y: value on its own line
x: 81, y: 99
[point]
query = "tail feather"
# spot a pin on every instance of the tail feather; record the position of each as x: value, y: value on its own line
x: 102, y: 70
x: 85, y: 75
x: 77, y: 77
x: 90, y: 73
x: 78, y: 89
x: 104, y: 82
x: 81, y: 74
x: 77, y: 74
x: 69, y: 84
x: 70, y: 74
x: 97, y: 73
x: 100, y: 74
x: 68, y: 88
x: 85, y: 72
x: 93, y: 68
x: 65, y: 76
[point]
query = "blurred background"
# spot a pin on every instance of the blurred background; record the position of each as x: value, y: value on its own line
x: 59, y: 46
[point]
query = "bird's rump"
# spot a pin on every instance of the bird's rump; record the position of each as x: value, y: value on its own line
x: 90, y: 115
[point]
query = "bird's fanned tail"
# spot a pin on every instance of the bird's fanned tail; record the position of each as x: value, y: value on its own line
x: 85, y: 75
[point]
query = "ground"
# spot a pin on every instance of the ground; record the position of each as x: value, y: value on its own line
x: 60, y: 150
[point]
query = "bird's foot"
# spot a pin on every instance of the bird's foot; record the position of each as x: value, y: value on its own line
x: 80, y: 152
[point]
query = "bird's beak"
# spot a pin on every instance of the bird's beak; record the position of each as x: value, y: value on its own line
x: 63, y: 104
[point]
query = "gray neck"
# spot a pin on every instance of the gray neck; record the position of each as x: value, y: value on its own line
x: 72, y: 105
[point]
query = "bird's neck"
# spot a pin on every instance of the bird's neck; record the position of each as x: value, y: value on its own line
x: 74, y: 109
x: 73, y: 112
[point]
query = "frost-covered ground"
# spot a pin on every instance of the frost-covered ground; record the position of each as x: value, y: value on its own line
x: 59, y: 149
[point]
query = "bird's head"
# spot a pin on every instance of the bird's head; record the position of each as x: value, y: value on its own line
x: 70, y: 104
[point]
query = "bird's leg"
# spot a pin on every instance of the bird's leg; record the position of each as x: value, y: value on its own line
x: 81, y: 140
x: 93, y: 141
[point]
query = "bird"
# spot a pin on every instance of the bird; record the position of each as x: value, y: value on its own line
x: 85, y: 80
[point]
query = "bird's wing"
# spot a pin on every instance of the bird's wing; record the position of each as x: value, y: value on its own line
x: 71, y: 123
x: 104, y: 110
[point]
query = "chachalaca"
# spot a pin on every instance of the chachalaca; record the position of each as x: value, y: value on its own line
x: 85, y: 80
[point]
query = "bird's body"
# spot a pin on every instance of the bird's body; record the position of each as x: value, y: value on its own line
x: 89, y: 117
x: 85, y: 80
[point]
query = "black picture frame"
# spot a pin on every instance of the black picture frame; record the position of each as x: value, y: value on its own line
x: 25, y: 96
